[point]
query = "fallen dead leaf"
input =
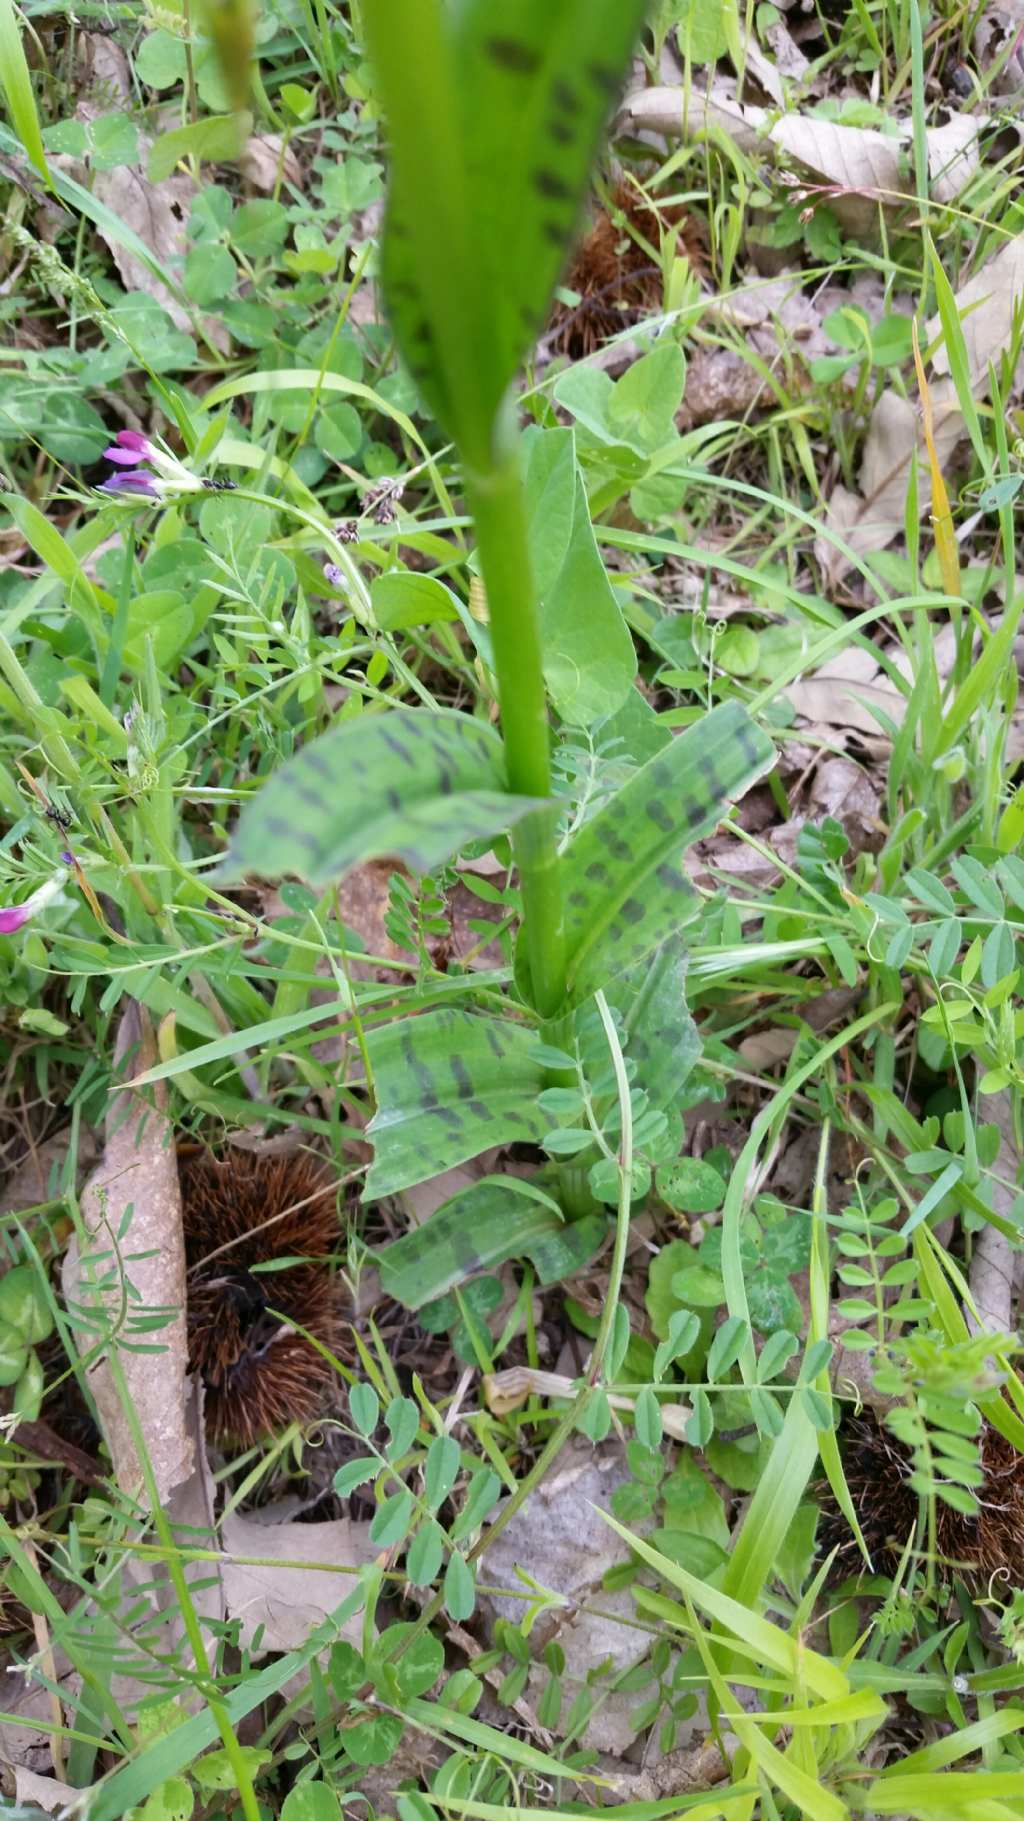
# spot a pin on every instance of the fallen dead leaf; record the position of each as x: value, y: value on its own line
x: 866, y: 166
x: 276, y: 1594
x: 39, y: 1175
x: 560, y: 1538
x: 676, y: 113
x: 999, y: 47
x: 28, y: 1715
x: 869, y: 521
x: 133, y: 1202
x: 44, y: 1792
x: 265, y: 159
x: 988, y: 306
x: 841, y: 692
x: 158, y: 213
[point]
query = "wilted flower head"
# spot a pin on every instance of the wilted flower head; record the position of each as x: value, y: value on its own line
x: 164, y: 474
x: 382, y: 500
x: 14, y: 916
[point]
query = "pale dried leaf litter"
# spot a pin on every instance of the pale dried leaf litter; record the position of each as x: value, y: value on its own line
x: 874, y: 166
x: 129, y: 1263
x: 986, y: 305
x: 297, y: 1575
x: 560, y: 1539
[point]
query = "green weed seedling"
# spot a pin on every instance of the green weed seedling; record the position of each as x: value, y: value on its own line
x: 494, y: 118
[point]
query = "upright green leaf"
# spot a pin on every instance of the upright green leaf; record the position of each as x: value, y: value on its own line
x: 495, y: 115
x: 549, y: 482
x: 589, y: 656
x: 625, y: 891
x: 408, y: 782
x: 17, y: 87
x: 661, y: 1037
x: 448, y: 1085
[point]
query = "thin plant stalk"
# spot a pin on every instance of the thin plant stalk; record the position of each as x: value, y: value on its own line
x: 497, y: 504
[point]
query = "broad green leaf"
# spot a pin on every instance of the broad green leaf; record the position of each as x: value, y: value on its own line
x: 440, y: 1474
x: 448, y: 1085
x: 406, y: 782
x: 625, y: 891
x: 405, y: 599
x: 589, y: 657
x: 459, y: 1588
x: 494, y: 116
x: 549, y: 480
x: 643, y: 403
x: 219, y: 139
x: 17, y: 87
x: 473, y: 1231
x: 311, y: 1802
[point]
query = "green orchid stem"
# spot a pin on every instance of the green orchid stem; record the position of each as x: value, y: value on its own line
x: 495, y: 499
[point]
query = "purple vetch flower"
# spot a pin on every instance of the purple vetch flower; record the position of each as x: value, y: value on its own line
x: 14, y: 916
x: 164, y: 474
x: 135, y: 481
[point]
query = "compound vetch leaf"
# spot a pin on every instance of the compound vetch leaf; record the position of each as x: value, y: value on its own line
x: 407, y: 782
x: 448, y: 1085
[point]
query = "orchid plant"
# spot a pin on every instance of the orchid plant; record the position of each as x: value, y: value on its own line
x: 494, y: 116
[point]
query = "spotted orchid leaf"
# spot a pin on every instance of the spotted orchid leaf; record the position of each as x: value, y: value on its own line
x: 408, y: 783
x: 448, y: 1085
x: 495, y: 112
x: 476, y: 1230
x: 625, y: 889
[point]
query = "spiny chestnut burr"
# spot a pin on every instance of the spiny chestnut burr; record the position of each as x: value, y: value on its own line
x: 877, y: 1469
x: 241, y: 1212
x: 618, y: 280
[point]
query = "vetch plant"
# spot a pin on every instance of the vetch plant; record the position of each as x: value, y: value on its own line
x: 494, y: 117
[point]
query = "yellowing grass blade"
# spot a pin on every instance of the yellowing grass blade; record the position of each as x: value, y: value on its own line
x: 776, y: 1649
x: 942, y: 517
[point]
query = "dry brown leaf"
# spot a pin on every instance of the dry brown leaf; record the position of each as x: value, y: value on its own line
x: 840, y: 693
x: 675, y: 113
x: 869, y: 521
x: 856, y: 159
x: 28, y: 1715
x: 954, y: 154
x: 280, y: 1595
x: 789, y: 58
x: 560, y: 1538
x: 43, y: 1792
x: 999, y: 47
x: 158, y: 212
x: 265, y: 158
x: 987, y: 305
x: 35, y: 1177
x: 764, y: 71
x: 133, y: 1200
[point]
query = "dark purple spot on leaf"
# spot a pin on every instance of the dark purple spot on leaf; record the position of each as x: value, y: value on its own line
x: 518, y: 58
x: 548, y: 183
